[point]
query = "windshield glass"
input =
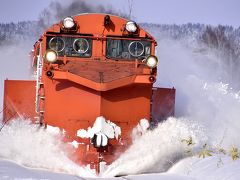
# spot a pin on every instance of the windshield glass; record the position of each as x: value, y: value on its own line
x: 70, y: 46
x: 128, y: 49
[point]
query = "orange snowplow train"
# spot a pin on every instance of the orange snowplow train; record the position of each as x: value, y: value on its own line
x: 89, y: 66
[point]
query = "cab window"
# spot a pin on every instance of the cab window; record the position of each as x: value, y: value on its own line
x: 128, y: 49
x: 70, y: 46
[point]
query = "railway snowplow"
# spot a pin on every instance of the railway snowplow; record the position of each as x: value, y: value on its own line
x: 94, y: 81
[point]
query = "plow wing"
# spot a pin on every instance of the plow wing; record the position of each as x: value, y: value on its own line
x: 19, y: 99
x: 163, y: 104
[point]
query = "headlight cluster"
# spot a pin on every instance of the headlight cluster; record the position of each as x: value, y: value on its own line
x: 69, y: 23
x: 152, y: 61
x: 51, y: 56
x: 131, y: 27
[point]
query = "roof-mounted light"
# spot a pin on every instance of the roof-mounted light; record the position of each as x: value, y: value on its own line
x: 152, y: 61
x: 51, y: 56
x: 131, y: 27
x: 68, y: 23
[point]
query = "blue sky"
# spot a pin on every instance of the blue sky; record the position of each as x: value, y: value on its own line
x: 156, y: 11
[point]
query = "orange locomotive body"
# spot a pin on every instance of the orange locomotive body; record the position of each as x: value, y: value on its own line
x: 89, y: 66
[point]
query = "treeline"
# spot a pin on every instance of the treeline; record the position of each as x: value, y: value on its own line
x: 224, y: 38
x: 18, y: 32
x: 223, y: 41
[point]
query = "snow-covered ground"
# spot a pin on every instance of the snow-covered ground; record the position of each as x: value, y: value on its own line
x: 217, y: 167
x: 207, y: 110
x: 192, y: 168
x: 10, y: 170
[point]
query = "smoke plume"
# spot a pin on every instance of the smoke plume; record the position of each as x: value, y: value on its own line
x: 57, y: 11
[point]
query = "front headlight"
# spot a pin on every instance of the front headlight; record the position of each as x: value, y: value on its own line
x: 51, y: 56
x: 68, y: 23
x: 131, y: 27
x: 152, y: 61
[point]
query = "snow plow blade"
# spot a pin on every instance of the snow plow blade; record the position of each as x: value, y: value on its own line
x: 163, y: 104
x: 19, y: 98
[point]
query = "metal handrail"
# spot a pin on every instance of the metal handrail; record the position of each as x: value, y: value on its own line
x: 38, y: 81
